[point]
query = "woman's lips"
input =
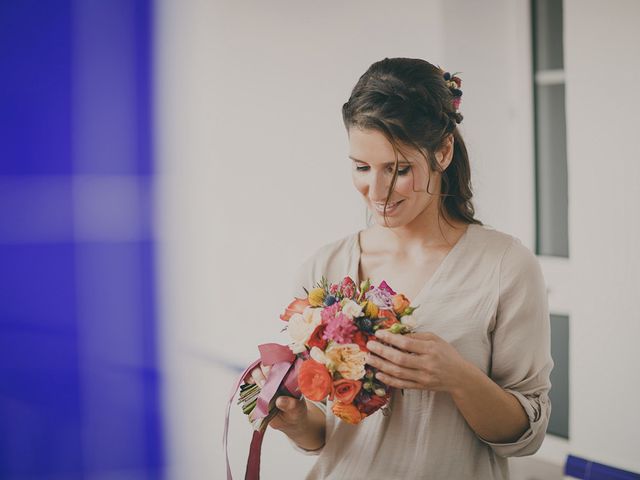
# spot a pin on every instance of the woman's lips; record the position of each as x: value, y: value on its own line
x: 391, y: 207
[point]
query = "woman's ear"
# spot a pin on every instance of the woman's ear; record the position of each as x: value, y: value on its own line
x: 445, y: 154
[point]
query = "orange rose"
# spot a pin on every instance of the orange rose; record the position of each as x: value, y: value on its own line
x: 345, y: 390
x: 400, y: 303
x: 389, y: 316
x: 297, y: 306
x: 314, y: 380
x: 347, y: 412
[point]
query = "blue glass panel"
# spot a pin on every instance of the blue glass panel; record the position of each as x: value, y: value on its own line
x: 35, y: 87
x: 36, y: 209
x: 39, y: 389
x: 118, y: 362
x: 38, y: 286
x: 112, y: 87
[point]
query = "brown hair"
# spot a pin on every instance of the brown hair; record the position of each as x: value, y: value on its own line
x: 408, y: 101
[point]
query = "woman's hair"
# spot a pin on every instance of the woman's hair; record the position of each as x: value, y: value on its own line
x: 408, y: 101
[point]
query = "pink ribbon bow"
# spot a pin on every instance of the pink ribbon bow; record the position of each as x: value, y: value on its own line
x: 283, y: 373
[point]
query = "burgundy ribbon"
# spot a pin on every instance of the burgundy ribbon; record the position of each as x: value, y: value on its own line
x: 281, y: 360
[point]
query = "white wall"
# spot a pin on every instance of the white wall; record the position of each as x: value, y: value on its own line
x: 602, y: 65
x: 254, y: 176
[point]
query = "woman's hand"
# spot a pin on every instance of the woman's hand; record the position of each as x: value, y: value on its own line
x: 292, y: 413
x: 417, y: 360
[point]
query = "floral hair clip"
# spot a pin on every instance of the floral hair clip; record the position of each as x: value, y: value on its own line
x: 454, y: 83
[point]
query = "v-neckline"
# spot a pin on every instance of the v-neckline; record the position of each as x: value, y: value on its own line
x: 427, y: 286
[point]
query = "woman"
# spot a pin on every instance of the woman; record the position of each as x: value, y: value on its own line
x: 473, y: 381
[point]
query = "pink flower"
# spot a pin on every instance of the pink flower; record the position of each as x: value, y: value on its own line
x: 340, y: 329
x: 347, y: 287
x: 384, y: 286
x: 328, y: 313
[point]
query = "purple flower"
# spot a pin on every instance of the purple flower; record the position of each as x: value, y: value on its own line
x: 380, y: 297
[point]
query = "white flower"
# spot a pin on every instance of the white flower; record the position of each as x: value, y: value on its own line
x: 318, y: 355
x: 409, y: 321
x: 301, y: 326
x: 352, y: 309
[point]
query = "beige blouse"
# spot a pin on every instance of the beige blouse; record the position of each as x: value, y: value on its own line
x: 488, y: 299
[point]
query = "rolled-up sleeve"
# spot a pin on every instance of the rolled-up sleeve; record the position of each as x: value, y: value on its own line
x: 521, y: 349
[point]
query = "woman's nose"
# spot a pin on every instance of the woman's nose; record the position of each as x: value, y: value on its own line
x: 379, y: 186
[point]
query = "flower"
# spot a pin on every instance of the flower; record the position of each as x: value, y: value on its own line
x: 329, y: 312
x: 351, y: 308
x: 297, y: 306
x: 380, y: 297
x: 314, y: 380
x: 316, y: 339
x: 400, y: 303
x: 360, y: 338
x: 348, y: 360
x: 384, y: 286
x: 345, y: 390
x: 318, y: 355
x: 347, y: 287
x: 301, y: 326
x: 340, y: 329
x: 389, y: 318
x: 316, y: 297
x: 371, y: 403
x: 347, y: 412
x: 370, y: 309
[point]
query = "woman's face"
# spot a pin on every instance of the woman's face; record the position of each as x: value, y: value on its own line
x: 373, y: 166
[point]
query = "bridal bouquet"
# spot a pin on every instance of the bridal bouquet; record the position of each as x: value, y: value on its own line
x: 328, y: 331
x: 325, y: 358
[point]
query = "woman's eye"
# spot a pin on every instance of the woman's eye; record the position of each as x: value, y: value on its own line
x: 401, y: 171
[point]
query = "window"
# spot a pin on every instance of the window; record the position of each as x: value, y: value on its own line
x: 552, y: 232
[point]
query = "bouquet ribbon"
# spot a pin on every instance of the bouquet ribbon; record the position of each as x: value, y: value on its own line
x: 283, y: 373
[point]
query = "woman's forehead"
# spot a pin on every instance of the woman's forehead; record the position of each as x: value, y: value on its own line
x: 371, y: 146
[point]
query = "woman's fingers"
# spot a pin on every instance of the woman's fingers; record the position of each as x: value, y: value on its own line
x: 292, y: 411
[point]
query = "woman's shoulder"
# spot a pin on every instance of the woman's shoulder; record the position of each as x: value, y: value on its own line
x: 509, y: 251
x: 496, y: 242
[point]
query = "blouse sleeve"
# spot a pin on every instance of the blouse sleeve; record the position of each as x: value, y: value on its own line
x: 303, y: 279
x: 521, y: 355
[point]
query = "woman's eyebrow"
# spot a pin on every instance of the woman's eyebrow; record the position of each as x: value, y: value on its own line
x: 403, y: 160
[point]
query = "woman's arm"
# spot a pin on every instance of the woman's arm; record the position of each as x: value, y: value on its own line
x: 426, y: 361
x: 494, y: 414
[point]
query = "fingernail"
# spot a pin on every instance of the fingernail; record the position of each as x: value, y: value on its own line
x: 371, y: 344
x: 380, y: 333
